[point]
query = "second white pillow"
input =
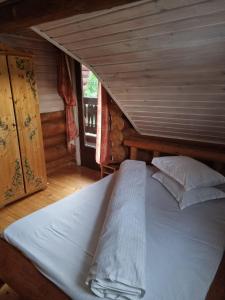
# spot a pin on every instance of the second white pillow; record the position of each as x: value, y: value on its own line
x: 189, y: 172
x: 187, y: 198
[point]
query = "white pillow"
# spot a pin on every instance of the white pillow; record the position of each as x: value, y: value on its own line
x: 188, y: 198
x: 189, y: 172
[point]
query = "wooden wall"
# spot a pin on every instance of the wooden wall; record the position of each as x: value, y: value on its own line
x: 162, y: 61
x: 51, y: 105
x: 54, y: 135
x: 45, y: 60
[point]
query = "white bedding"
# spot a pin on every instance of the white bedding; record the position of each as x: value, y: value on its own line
x: 184, y: 248
x: 118, y: 269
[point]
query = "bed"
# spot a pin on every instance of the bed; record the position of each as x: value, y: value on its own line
x: 47, y: 254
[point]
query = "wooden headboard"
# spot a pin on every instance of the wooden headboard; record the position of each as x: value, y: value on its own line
x: 158, y: 146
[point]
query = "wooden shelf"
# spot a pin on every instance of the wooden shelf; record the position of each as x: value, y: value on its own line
x: 109, y: 168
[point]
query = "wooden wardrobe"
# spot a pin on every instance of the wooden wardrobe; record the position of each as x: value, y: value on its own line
x: 22, y: 163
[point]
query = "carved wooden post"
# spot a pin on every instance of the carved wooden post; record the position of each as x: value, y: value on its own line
x: 1, y: 283
x: 133, y: 153
x: 156, y: 153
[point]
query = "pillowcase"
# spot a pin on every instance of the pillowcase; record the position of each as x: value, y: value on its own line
x: 187, y: 198
x: 189, y: 172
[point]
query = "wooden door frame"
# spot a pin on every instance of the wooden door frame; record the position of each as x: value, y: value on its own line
x: 87, y: 153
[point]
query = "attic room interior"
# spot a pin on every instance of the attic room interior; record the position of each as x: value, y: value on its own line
x: 112, y: 149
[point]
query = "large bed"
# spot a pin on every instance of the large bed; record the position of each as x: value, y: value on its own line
x: 184, y: 247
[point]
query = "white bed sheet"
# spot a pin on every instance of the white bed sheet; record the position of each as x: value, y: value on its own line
x: 184, y: 248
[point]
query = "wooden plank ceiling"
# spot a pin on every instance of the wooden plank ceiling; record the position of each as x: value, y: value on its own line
x: 162, y: 61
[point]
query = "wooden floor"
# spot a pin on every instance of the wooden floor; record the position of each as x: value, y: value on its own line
x: 60, y: 184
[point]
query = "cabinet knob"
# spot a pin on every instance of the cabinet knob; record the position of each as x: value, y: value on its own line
x: 14, y: 124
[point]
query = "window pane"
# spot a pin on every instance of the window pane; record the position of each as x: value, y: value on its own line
x: 90, y: 94
x: 90, y: 83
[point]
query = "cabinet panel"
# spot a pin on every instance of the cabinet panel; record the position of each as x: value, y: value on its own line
x: 28, y: 121
x: 11, y: 176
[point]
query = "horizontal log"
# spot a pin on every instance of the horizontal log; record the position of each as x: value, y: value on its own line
x: 55, y: 152
x: 16, y: 15
x: 210, y: 153
x: 17, y: 271
x: 118, y: 153
x: 116, y: 135
x: 67, y: 160
x: 52, y: 116
x: 117, y: 122
x: 50, y: 129
x: 55, y: 140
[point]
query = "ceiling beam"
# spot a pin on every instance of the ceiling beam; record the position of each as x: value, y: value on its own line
x: 20, y: 14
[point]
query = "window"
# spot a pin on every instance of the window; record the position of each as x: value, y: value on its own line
x: 90, y: 95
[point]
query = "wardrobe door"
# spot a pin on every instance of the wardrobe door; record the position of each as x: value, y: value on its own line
x: 27, y: 113
x: 11, y: 176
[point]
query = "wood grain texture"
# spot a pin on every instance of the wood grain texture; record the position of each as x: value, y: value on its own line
x: 11, y: 175
x: 161, y: 61
x: 45, y: 61
x: 60, y: 184
x: 26, y: 104
x: 200, y: 151
x: 29, y: 282
x: 217, y: 288
x: 54, y: 137
x: 24, y: 14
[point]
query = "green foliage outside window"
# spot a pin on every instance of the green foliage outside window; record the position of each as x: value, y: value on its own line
x: 91, y: 88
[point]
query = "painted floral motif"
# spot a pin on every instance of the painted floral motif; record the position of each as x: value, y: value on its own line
x: 31, y: 178
x: 31, y: 129
x: 27, y: 121
x: 21, y: 64
x: 17, y: 181
x: 3, y: 125
x: 2, y: 142
x: 32, y: 134
x: 31, y: 80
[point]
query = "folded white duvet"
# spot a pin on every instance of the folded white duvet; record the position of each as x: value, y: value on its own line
x: 118, y: 269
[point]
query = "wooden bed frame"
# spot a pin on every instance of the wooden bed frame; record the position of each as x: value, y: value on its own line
x: 20, y: 274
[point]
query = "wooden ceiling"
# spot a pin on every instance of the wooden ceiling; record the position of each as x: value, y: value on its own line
x: 162, y: 61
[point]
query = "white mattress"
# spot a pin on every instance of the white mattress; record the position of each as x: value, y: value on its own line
x: 184, y: 248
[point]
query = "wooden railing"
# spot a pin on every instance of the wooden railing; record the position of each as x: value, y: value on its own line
x: 90, y: 115
x: 90, y: 120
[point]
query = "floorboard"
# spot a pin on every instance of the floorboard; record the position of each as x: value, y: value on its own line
x: 60, y: 184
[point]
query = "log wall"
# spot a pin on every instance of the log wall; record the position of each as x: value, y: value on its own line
x: 54, y: 135
x: 120, y: 129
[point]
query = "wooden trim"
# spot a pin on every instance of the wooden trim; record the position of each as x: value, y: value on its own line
x: 87, y: 153
x: 217, y: 288
x: 26, y: 13
x: 1, y: 283
x: 24, y: 278
x: 53, y: 116
x: 6, y: 50
x: 159, y: 145
x: 133, y: 152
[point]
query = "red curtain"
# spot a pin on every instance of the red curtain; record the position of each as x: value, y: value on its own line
x: 66, y: 91
x: 102, y: 141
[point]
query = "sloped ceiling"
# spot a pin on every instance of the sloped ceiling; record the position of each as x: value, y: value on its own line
x: 162, y: 61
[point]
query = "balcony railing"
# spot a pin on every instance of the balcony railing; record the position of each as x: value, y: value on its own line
x: 90, y: 120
